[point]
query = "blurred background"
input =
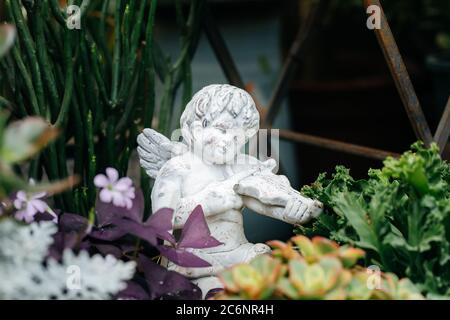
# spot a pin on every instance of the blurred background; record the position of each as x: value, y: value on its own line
x: 341, y: 88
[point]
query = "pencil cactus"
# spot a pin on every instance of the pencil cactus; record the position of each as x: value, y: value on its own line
x: 312, y: 269
x: 94, y: 80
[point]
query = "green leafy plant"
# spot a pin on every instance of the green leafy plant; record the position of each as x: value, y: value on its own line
x: 95, y: 84
x: 19, y: 141
x: 311, y: 269
x: 400, y: 215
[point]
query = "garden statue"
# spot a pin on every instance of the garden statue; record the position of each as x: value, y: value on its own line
x: 207, y: 168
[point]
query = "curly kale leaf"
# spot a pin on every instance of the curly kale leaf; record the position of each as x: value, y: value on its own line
x: 400, y: 214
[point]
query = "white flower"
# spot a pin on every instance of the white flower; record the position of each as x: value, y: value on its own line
x: 24, y: 248
x: 118, y: 191
x: 28, y: 205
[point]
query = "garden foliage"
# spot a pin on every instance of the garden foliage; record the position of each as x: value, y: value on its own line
x: 23, y: 251
x: 68, y: 256
x: 312, y: 269
x: 400, y: 215
x: 95, y: 83
x: 111, y: 253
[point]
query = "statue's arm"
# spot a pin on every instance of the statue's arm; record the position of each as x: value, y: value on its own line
x: 166, y: 192
x: 272, y: 195
x: 295, y: 212
x: 215, y: 198
x: 264, y: 209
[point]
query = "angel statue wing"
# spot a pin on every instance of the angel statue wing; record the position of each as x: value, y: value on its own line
x: 155, y: 150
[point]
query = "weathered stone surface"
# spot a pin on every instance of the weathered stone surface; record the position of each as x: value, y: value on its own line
x: 208, y: 169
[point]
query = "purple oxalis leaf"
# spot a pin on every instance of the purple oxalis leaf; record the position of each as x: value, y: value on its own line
x: 146, y: 232
x: 106, y: 249
x: 196, y: 233
x: 110, y: 233
x: 167, y: 284
x: 211, y: 293
x: 161, y: 220
x: 182, y: 257
x: 72, y: 230
x: 43, y: 216
x: 107, y: 212
x: 84, y: 245
x: 137, y: 229
x: 61, y: 241
x: 133, y: 291
x: 127, y: 248
x: 69, y: 222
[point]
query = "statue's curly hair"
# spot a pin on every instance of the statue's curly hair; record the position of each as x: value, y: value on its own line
x: 212, y: 100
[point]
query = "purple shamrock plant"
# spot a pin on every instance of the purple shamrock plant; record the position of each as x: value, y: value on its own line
x: 120, y: 192
x: 28, y: 205
x: 196, y: 235
x: 115, y: 223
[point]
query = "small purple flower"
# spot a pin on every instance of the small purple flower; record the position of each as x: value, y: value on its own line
x: 28, y: 205
x: 118, y: 191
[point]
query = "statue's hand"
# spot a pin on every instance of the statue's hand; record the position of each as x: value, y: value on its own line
x: 221, y: 196
x: 299, y: 210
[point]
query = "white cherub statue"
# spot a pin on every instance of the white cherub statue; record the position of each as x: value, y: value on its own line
x: 208, y: 168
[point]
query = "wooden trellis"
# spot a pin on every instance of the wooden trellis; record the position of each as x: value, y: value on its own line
x: 393, y: 59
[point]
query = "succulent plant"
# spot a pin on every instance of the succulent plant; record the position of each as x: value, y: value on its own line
x: 312, y: 269
x: 316, y: 248
x: 256, y: 280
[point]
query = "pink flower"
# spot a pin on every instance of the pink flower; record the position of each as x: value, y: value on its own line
x: 118, y: 191
x: 28, y: 205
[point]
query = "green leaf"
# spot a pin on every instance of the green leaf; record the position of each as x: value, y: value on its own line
x: 22, y: 139
x: 287, y: 289
x: 349, y: 256
x: 297, y: 270
x: 348, y: 205
x: 268, y: 267
x: 227, y: 279
x: 357, y: 288
x: 401, y: 212
x: 7, y: 37
x: 248, y: 279
x: 305, y: 246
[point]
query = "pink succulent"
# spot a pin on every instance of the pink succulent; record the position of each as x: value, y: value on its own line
x: 118, y: 191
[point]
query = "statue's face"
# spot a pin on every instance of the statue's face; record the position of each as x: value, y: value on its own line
x: 220, y: 140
